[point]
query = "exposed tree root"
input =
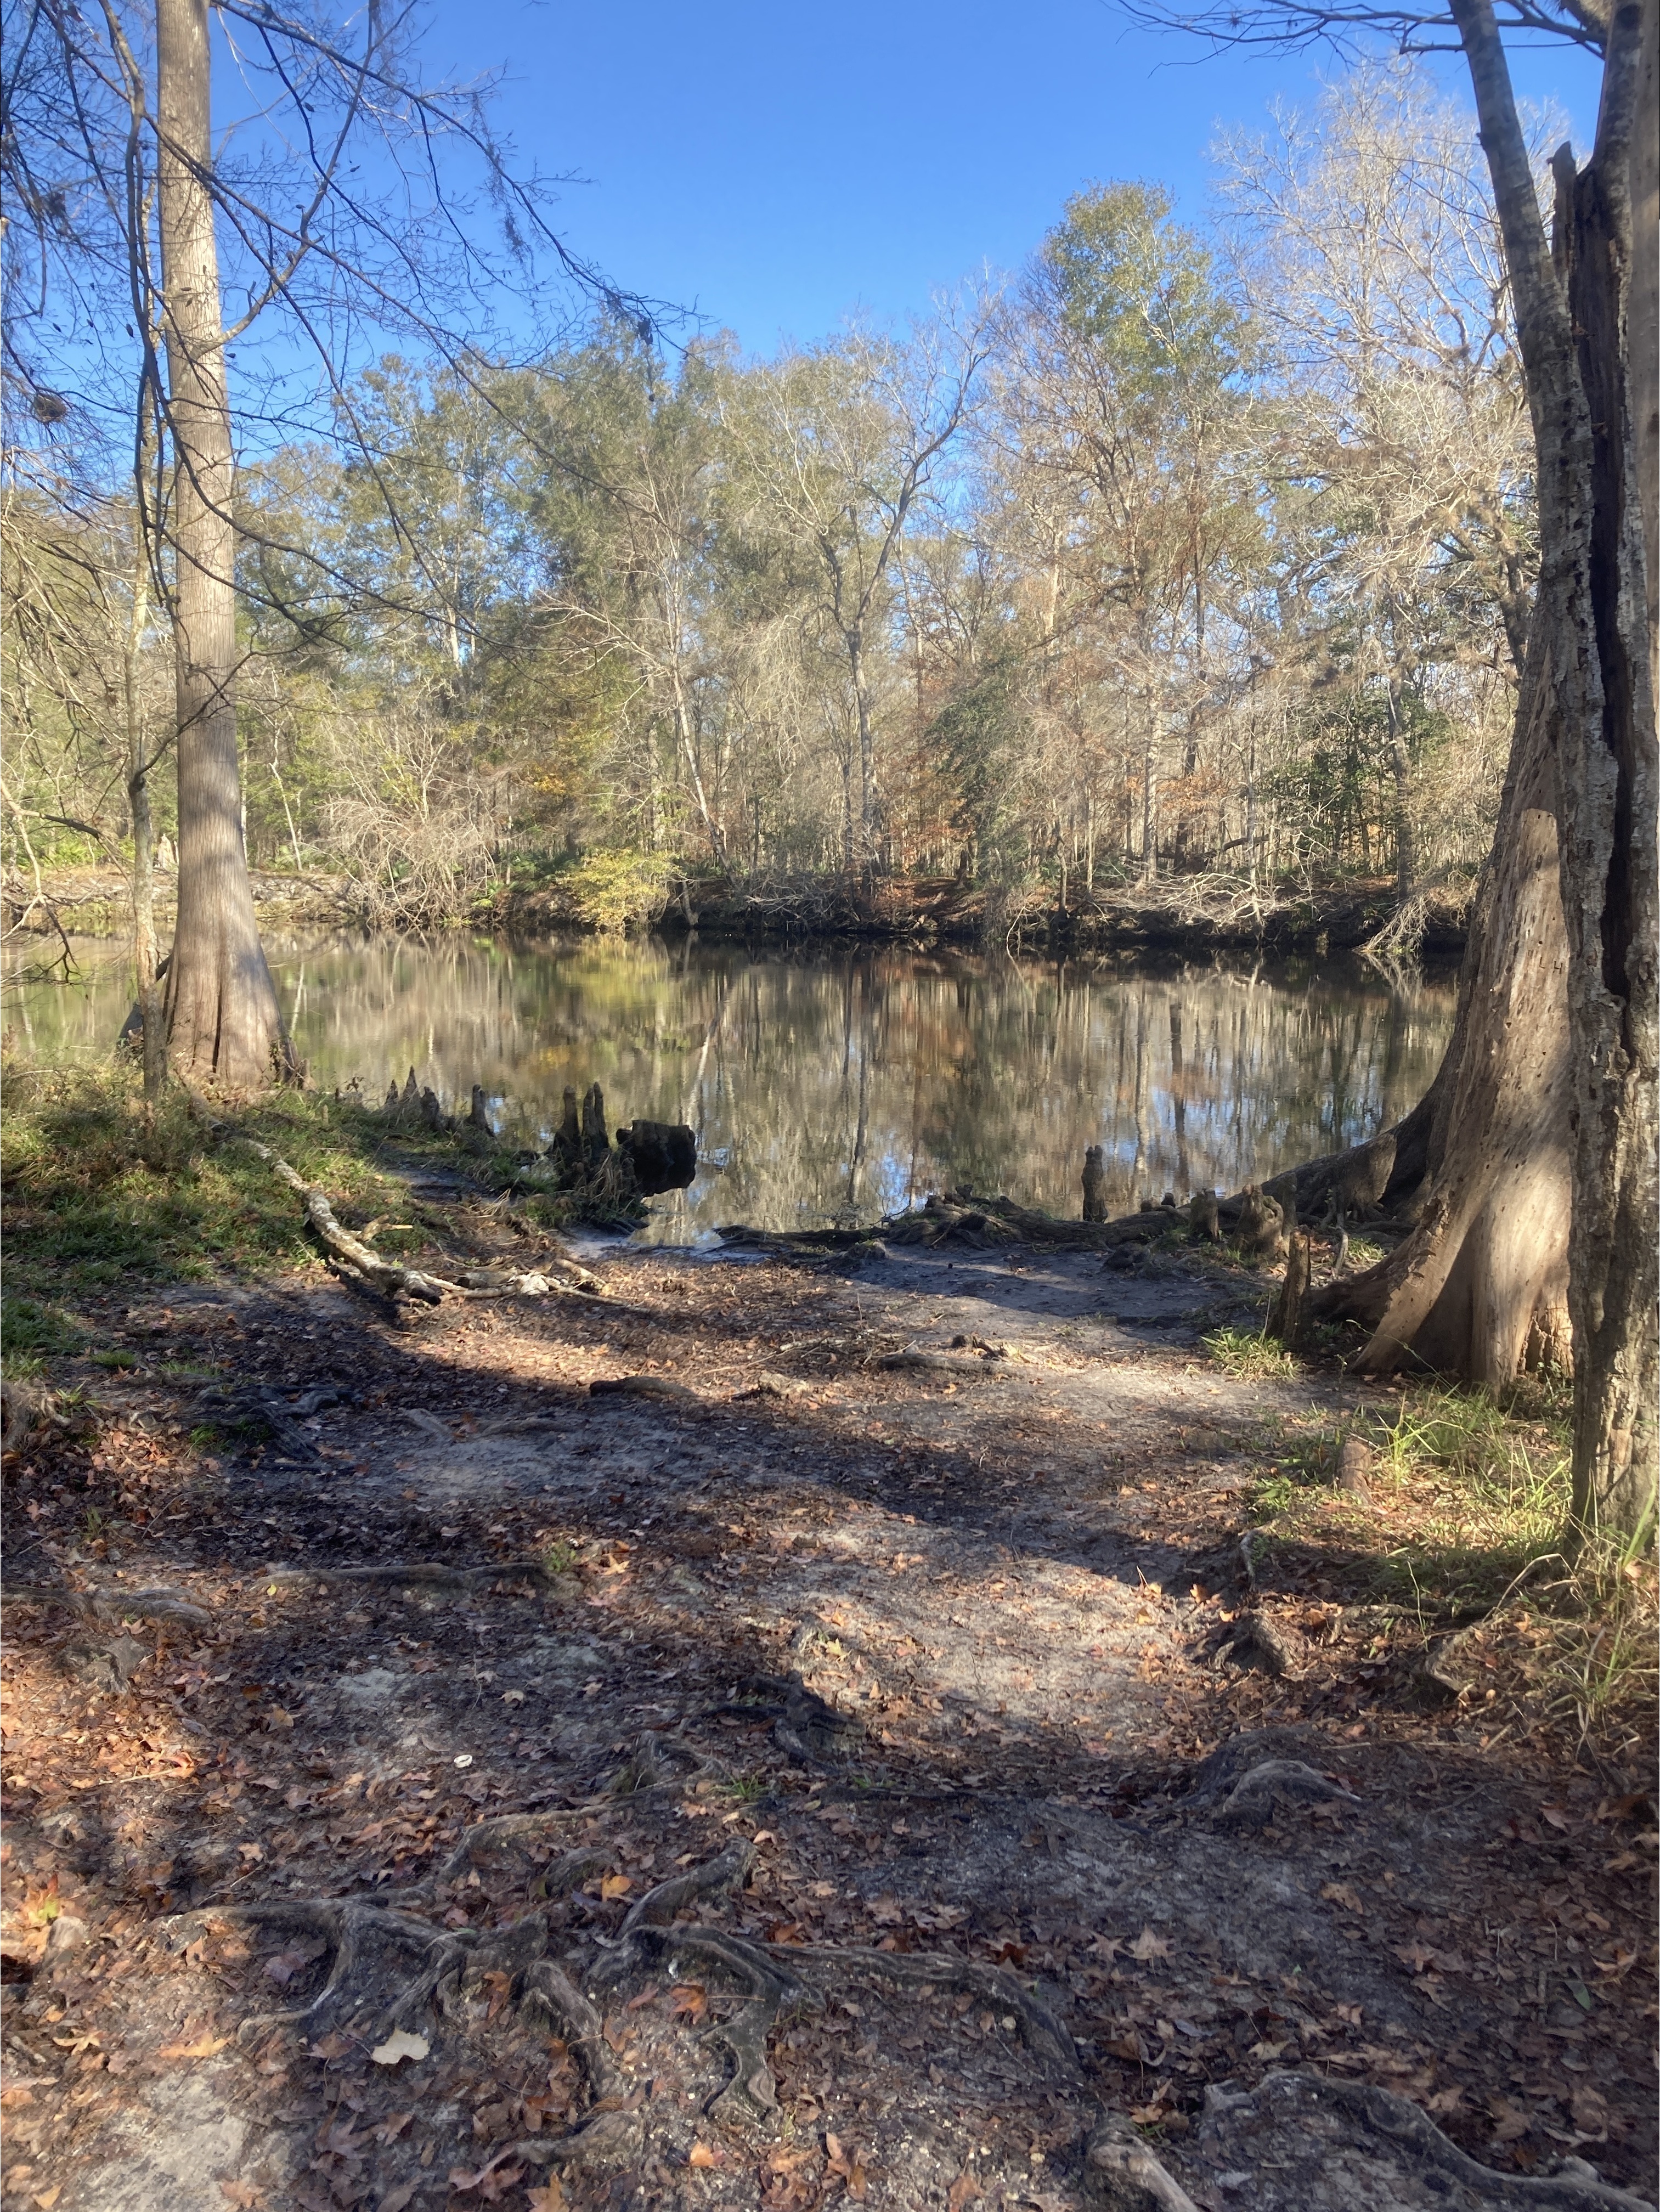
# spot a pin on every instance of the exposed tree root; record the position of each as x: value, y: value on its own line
x: 750, y: 2097
x: 485, y: 1839
x: 644, y: 1778
x: 266, y: 1409
x: 452, y: 1965
x: 942, y: 1363
x: 808, y: 1730
x: 1273, y: 1784
x: 164, y: 1605
x: 1043, y: 2034
x: 419, y: 1574
x: 644, y: 1385
x: 1256, y: 1641
x: 350, y: 1258
x: 457, y: 1963
x: 344, y: 1923
x: 384, y: 1275
x: 1304, y: 2128
x: 714, y: 1878
x: 1131, y: 2174
x: 613, y: 2135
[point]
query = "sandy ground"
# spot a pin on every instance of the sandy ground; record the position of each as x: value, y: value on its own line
x: 929, y: 1659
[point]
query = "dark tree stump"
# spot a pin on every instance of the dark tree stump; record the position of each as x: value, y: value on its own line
x: 595, y: 1142
x: 663, y: 1155
x: 567, y: 1147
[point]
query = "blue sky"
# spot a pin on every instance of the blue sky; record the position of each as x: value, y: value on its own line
x: 776, y: 166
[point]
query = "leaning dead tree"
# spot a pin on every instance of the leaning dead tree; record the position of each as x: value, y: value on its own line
x: 1531, y: 1165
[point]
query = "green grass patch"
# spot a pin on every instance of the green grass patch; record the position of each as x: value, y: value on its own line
x: 1467, y: 1522
x: 1466, y: 1494
x: 100, y: 1196
x: 1486, y: 1493
x: 1248, y: 1356
x: 33, y: 1330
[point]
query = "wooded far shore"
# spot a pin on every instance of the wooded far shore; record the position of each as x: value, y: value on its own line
x: 1196, y: 913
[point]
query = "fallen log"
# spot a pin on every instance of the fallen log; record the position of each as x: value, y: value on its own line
x: 350, y: 1255
x: 386, y: 1275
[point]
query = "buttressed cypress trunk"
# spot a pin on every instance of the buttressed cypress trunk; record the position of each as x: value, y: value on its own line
x: 1537, y: 1145
x: 222, y: 1018
x: 1480, y: 1289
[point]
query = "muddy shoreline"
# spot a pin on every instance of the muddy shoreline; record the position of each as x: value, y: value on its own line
x: 938, y: 1656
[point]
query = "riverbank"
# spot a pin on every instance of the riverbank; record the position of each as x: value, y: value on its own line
x: 97, y: 901
x: 1178, y: 914
x: 931, y: 1724
x: 1187, y: 915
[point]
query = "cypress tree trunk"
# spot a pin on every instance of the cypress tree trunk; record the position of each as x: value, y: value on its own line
x: 1609, y: 792
x: 1542, y: 1195
x: 221, y: 1013
x: 1481, y: 1286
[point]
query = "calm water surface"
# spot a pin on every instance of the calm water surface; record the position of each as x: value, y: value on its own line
x: 835, y: 1087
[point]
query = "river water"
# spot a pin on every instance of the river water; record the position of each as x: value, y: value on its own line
x: 835, y: 1086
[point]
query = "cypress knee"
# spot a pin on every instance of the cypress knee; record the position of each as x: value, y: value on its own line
x: 1286, y: 1316
x: 1262, y: 1225
x: 1095, y: 1184
x: 595, y: 1142
x: 568, y: 1143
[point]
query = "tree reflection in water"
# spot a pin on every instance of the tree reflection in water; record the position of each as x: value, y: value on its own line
x: 836, y: 1085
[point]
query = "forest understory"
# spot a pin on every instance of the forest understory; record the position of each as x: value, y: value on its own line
x: 925, y: 1727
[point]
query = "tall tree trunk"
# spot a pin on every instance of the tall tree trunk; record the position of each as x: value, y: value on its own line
x: 1406, y: 854
x: 1149, y: 808
x: 867, y: 824
x: 1541, y: 1132
x: 683, y: 736
x: 223, y: 1018
x: 151, y: 1027
x: 1610, y: 793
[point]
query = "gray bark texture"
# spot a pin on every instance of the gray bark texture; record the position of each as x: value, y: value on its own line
x: 1539, y: 1206
x: 223, y: 1020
